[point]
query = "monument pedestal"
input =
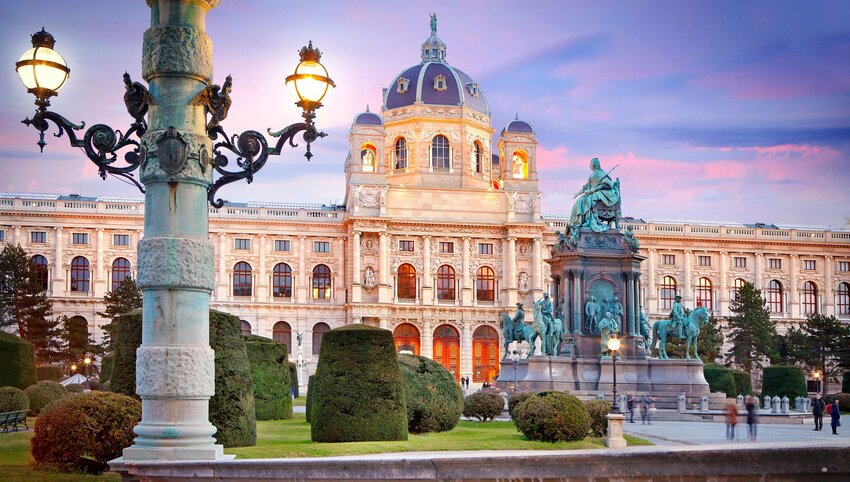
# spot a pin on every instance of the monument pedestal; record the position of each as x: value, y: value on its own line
x: 615, y: 438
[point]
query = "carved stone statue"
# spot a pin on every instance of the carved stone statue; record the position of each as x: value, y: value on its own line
x: 369, y: 277
x: 523, y: 281
x: 617, y: 310
x: 645, y: 331
x: 600, y: 192
x: 591, y: 315
x: 629, y: 235
x: 299, y: 335
x: 607, y: 327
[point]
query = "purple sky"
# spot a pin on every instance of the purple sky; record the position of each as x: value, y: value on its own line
x: 720, y: 110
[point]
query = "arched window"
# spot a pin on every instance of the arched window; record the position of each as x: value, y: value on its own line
x: 843, y: 299
x: 445, y: 282
x: 447, y: 349
x: 282, y: 333
x: 368, y: 157
x: 485, y: 284
x: 667, y: 293
x: 39, y: 266
x: 774, y: 296
x: 406, y: 279
x: 401, y: 153
x: 282, y: 281
x: 120, y: 271
x: 80, y: 274
x: 319, y: 329
x: 704, y: 297
x: 477, y: 155
x: 739, y: 283
x: 321, y: 282
x: 242, y: 279
x: 406, y: 338
x: 485, y: 354
x: 245, y: 327
x: 810, y: 298
x: 440, y: 153
x: 519, y: 167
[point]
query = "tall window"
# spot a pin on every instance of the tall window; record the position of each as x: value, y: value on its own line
x: 440, y: 153
x: 368, y: 156
x: 447, y: 349
x: 282, y: 333
x: 476, y: 156
x: 485, y: 354
x: 120, y: 271
x: 704, y: 297
x: 739, y: 283
x: 242, y: 279
x: 843, y: 299
x: 39, y: 264
x: 667, y: 293
x: 406, y: 279
x: 282, y: 281
x: 844, y: 266
x: 810, y: 298
x: 80, y: 274
x: 485, y: 284
x: 319, y: 330
x: 774, y: 296
x: 445, y: 283
x: 321, y: 282
x: 401, y: 153
x: 245, y: 327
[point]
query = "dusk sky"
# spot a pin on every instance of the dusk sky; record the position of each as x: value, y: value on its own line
x: 715, y: 110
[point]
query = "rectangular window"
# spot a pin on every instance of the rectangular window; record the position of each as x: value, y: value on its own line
x: 485, y: 248
x: 809, y: 264
x: 2, y: 235
x: 447, y: 247
x: 405, y: 245
x: 774, y: 263
x: 38, y: 237
x: 844, y: 266
x: 242, y: 243
x: 80, y: 238
x: 704, y: 260
x: 121, y: 239
x: 322, y: 246
x: 668, y: 259
x: 282, y: 245
x: 740, y: 262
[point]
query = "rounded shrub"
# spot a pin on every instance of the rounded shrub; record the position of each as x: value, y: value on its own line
x: 309, y: 405
x: 433, y: 397
x: 783, y: 381
x: 270, y: 375
x: 598, y: 410
x: 552, y: 417
x: 483, y: 406
x: 17, y: 357
x: 13, y: 399
x: 85, y: 431
x: 74, y: 388
x: 515, y: 400
x: 358, y: 389
x: 53, y: 373
x: 42, y: 393
x: 743, y: 382
x: 843, y: 401
x: 720, y: 379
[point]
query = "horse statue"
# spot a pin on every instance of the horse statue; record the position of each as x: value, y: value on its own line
x: 693, y: 321
x: 514, y: 329
x: 550, y: 332
x: 557, y: 333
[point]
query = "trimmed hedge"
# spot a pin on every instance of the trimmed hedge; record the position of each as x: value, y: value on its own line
x: 743, y: 382
x: 270, y: 374
x: 843, y: 401
x: 54, y: 373
x: 784, y: 381
x: 17, y: 359
x: 293, y: 378
x: 552, y: 417
x: 359, y: 391
x: 13, y: 399
x: 720, y: 379
x: 42, y: 394
x: 845, y: 382
x: 85, y: 431
x: 433, y: 397
x: 483, y: 406
x: 515, y: 400
x: 309, y: 404
x: 598, y: 410
x: 106, y: 364
x: 232, y: 406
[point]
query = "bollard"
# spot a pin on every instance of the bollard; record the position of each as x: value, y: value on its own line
x: 766, y: 405
x: 703, y: 403
x: 681, y: 403
x: 798, y: 404
x: 623, y: 403
x: 775, y: 404
x: 784, y: 405
x: 739, y: 402
x: 600, y: 396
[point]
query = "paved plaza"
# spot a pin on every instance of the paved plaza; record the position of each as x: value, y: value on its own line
x: 711, y: 433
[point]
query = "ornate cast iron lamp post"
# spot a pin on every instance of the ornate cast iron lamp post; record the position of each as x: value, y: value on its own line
x: 613, y: 348
x: 176, y: 118
x: 515, y: 358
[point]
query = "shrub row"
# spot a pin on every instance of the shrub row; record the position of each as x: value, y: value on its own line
x: 784, y: 381
x: 17, y: 357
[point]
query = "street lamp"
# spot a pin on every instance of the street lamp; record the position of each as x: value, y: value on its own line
x: 515, y: 358
x: 74, y: 367
x: 817, y: 375
x: 87, y: 362
x: 613, y: 347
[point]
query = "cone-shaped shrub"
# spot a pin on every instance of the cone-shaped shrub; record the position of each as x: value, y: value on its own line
x: 309, y: 403
x: 270, y: 374
x: 358, y: 390
x: 433, y: 397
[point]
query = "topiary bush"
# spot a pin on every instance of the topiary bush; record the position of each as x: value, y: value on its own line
x: 13, y: 399
x: 515, y: 400
x: 106, y: 364
x: 293, y: 378
x: 358, y: 388
x: 309, y: 404
x: 843, y: 401
x: 483, y: 406
x: 42, y: 393
x: 127, y: 336
x: 270, y: 375
x: 598, y: 410
x: 17, y: 359
x: 743, y: 382
x: 784, y: 381
x: 54, y: 373
x: 74, y: 388
x: 845, y: 382
x: 720, y: 379
x: 85, y: 431
x: 433, y: 397
x: 552, y: 417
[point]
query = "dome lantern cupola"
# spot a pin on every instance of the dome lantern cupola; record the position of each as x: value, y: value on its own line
x: 434, y: 49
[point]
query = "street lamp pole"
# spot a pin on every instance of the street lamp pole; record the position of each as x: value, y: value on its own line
x: 613, y: 347
x: 515, y: 359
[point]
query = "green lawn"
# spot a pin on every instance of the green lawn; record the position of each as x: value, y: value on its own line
x: 300, y: 401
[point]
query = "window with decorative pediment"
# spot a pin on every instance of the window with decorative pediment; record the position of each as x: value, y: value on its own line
x: 440, y: 153
x: 473, y: 89
x: 440, y: 83
x: 401, y: 153
x: 402, y: 85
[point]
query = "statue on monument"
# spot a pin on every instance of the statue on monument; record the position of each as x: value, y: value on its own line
x: 607, y: 327
x: 591, y: 315
x: 645, y: 331
x: 515, y: 329
x: 598, y: 202
x: 617, y: 310
x: 677, y: 317
x: 631, y: 240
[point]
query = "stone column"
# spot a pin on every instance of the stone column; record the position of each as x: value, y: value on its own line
x: 357, y: 277
x: 384, y: 294
x: 466, y: 350
x: 427, y: 337
x: 506, y: 272
x: 795, y: 297
x: 58, y: 263
x: 723, y: 307
x: 828, y: 295
x: 99, y: 286
x: 687, y: 296
x: 174, y: 364
x: 427, y: 287
x: 17, y: 235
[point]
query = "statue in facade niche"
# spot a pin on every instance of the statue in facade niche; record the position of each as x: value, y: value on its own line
x: 523, y: 281
x: 369, y: 277
x: 607, y: 327
x: 597, y: 203
x: 591, y: 315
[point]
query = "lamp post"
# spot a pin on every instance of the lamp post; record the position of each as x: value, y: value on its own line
x: 86, y: 364
x: 515, y: 358
x: 613, y: 346
x: 817, y: 375
x: 176, y: 118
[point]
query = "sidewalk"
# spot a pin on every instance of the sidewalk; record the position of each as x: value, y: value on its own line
x: 708, y: 433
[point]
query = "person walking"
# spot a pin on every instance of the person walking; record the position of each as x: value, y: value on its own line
x: 818, y: 408
x: 752, y: 406
x: 731, y: 420
x: 630, y: 404
x: 645, y: 403
x: 835, y: 417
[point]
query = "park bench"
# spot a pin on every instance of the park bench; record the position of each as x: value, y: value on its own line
x: 12, y: 420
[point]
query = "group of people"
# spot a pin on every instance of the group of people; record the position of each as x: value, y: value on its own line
x: 595, y: 312
x: 820, y: 407
x: 464, y: 382
x: 751, y: 405
x: 645, y: 404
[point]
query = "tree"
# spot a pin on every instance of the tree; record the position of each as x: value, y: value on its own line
x: 77, y: 342
x: 821, y: 342
x: 751, y: 331
x: 24, y: 304
x: 125, y: 298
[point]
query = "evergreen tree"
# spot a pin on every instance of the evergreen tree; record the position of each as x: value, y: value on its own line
x: 124, y: 298
x: 751, y: 331
x: 820, y: 343
x: 77, y: 342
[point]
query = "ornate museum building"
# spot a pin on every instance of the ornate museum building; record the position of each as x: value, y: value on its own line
x: 440, y: 233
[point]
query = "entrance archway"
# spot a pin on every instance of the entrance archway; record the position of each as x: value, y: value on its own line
x: 447, y: 349
x: 406, y: 338
x: 485, y: 354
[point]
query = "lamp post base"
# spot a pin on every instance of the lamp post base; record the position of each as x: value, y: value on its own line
x: 615, y: 439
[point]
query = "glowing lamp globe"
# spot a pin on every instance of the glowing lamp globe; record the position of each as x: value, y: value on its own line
x: 41, y: 69
x: 310, y: 82
x: 87, y: 361
x: 613, y: 344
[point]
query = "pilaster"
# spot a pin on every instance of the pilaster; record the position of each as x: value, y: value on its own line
x: 58, y: 288
x: 356, y: 281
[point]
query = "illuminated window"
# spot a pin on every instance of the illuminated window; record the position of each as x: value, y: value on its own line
x: 519, y: 167
x: 282, y: 281
x: 242, y: 278
x: 80, y: 274
x: 120, y: 271
x: 321, y: 282
x: 440, y: 153
x: 445, y: 283
x: 282, y: 333
x: 485, y: 354
x: 401, y: 153
x: 485, y: 284
x: 368, y: 156
x: 406, y: 337
x: 810, y: 298
x: 667, y: 292
x: 774, y: 296
x: 843, y: 299
x: 406, y: 279
x: 39, y: 264
x: 704, y: 295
